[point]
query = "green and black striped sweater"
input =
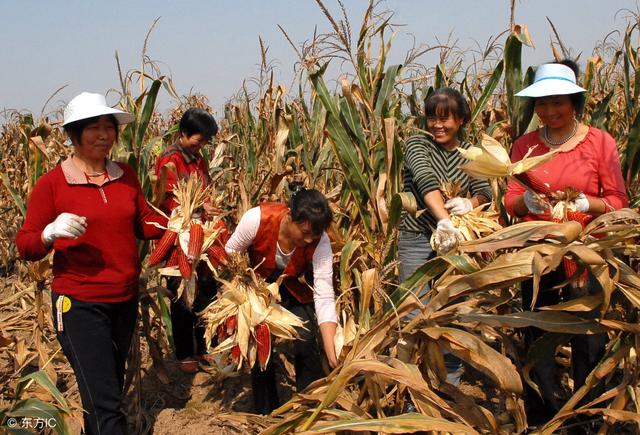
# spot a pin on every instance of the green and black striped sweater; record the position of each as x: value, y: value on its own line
x: 426, y: 167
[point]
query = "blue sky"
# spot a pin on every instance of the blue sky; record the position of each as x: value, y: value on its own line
x: 210, y: 47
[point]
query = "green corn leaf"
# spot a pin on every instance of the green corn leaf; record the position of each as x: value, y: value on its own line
x: 489, y: 87
x: 17, y: 199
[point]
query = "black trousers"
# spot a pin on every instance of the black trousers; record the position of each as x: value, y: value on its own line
x: 307, y: 358
x: 95, y: 337
x: 188, y: 333
x: 586, y: 350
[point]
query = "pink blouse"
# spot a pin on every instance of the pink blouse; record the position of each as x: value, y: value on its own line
x: 592, y: 167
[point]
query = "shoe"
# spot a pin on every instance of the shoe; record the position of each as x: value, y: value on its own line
x: 188, y: 366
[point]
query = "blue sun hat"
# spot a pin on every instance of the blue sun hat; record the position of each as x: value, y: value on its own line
x: 552, y: 79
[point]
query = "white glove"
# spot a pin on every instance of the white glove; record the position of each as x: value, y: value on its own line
x: 458, y: 206
x: 66, y: 226
x: 535, y: 203
x: 581, y: 203
x: 447, y: 236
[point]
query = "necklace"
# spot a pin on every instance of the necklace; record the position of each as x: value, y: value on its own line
x: 573, y: 132
x: 94, y: 174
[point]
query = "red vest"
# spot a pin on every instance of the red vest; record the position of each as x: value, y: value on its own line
x: 263, y: 251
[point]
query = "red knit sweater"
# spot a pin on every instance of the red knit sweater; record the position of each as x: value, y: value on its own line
x: 185, y: 163
x: 592, y: 167
x: 102, y: 265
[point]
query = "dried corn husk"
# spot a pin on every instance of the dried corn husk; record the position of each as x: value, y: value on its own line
x: 490, y: 160
x: 476, y: 224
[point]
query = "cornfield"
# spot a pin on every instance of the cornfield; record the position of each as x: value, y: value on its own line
x: 345, y: 139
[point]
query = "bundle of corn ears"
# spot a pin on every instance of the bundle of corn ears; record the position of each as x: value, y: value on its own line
x: 246, y: 315
x: 188, y: 239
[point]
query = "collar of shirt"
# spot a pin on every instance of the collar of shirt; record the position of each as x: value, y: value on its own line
x: 74, y: 175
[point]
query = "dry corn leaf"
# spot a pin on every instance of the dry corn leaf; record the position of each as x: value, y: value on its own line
x: 474, y: 351
x: 546, y: 320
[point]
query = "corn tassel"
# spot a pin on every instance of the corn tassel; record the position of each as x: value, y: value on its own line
x: 166, y: 242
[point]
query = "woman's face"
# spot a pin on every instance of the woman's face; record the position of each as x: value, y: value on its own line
x: 193, y: 142
x: 444, y: 129
x: 301, y: 234
x: 97, y: 139
x: 555, y: 111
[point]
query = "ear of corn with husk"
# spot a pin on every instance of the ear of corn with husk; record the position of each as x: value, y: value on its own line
x: 188, y: 239
x: 490, y: 160
x: 246, y: 316
x: 476, y: 224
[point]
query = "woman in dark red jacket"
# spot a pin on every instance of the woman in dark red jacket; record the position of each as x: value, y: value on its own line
x: 91, y: 211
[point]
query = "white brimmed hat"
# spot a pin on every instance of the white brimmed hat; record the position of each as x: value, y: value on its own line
x: 88, y: 105
x: 552, y: 79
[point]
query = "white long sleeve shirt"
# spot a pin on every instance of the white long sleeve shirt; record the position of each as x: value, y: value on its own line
x: 323, y: 295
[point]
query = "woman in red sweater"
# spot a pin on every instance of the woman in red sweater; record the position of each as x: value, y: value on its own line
x: 91, y: 211
x: 588, y: 162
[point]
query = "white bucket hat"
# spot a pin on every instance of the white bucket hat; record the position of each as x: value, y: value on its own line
x: 552, y: 79
x: 88, y: 105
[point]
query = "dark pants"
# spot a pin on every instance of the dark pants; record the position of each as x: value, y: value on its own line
x: 188, y: 333
x: 586, y: 350
x: 307, y: 358
x: 95, y: 337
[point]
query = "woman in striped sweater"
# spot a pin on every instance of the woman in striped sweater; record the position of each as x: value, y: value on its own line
x: 430, y: 161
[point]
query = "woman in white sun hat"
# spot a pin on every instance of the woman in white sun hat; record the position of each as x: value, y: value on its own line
x: 587, y: 161
x: 91, y: 211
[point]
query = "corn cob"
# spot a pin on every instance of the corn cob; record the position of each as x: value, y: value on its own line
x: 235, y: 353
x: 580, y: 217
x: 166, y: 242
x: 532, y: 182
x: 263, y: 341
x: 221, y: 333
x: 216, y: 254
x: 231, y: 324
x: 196, y: 237
x: 173, y: 258
x: 183, y: 264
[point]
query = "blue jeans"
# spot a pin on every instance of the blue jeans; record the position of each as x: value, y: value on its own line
x: 414, y: 249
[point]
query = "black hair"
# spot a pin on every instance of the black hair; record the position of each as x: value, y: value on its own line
x: 74, y: 130
x: 447, y: 101
x: 309, y: 205
x: 200, y: 121
x: 579, y: 99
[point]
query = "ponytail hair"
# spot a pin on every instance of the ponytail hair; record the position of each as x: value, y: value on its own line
x: 309, y: 205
